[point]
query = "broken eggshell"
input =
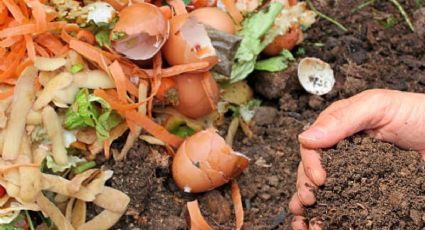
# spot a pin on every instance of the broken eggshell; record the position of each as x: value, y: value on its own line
x: 144, y: 30
x: 197, y: 93
x: 222, y: 21
x: 204, y: 161
x: 188, y: 42
x: 315, y: 76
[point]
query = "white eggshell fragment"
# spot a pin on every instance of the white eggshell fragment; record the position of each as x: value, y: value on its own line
x: 316, y: 76
x: 100, y: 12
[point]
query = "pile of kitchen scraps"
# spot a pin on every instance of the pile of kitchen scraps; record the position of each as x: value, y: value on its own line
x: 370, y: 185
x: 76, y: 76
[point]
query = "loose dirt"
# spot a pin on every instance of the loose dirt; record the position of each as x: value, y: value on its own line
x: 371, y: 185
x: 367, y: 56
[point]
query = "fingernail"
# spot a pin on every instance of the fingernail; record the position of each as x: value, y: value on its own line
x: 312, y: 134
x: 317, y: 177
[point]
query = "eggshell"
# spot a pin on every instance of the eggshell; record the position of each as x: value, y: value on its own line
x: 222, y: 21
x: 146, y: 30
x: 316, y: 76
x: 194, y: 100
x: 188, y: 42
x: 287, y: 41
x: 204, y: 161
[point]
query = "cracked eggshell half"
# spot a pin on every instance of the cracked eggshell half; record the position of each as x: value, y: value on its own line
x: 221, y: 21
x: 188, y: 42
x: 316, y: 76
x: 204, y: 162
x: 145, y: 30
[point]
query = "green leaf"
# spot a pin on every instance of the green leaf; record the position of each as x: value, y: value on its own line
x: 275, y: 64
x: 85, y: 113
x: 247, y: 110
x: 118, y: 36
x: 390, y: 22
x: 19, y: 223
x: 77, y: 68
x: 82, y: 113
x: 183, y: 131
x: 102, y: 38
x: 72, y: 162
x: 253, y: 30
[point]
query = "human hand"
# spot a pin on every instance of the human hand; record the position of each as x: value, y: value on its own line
x: 391, y: 116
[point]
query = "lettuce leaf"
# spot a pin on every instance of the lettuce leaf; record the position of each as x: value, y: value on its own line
x: 275, y: 64
x: 72, y: 162
x: 85, y: 113
x: 253, y: 30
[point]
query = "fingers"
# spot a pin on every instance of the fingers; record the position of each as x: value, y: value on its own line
x: 295, y: 205
x: 311, y: 161
x: 305, y: 187
x: 299, y: 223
x: 346, y: 117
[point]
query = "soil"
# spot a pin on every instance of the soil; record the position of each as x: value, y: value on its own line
x: 370, y: 185
x: 367, y: 56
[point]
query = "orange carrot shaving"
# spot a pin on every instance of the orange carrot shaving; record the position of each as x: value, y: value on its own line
x: 106, y: 148
x: 30, y: 47
x: 41, y: 51
x: 6, y: 94
x: 179, y: 69
x: 66, y: 30
x: 132, y: 126
x: 153, y: 128
x: 22, y: 66
x: 39, y: 15
x: 13, y: 60
x: 3, y: 13
x: 197, y: 221
x: 119, y: 78
x: 51, y: 16
x: 10, y: 81
x: 18, y: 30
x: 166, y: 11
x: 131, y: 88
x: 231, y: 8
x: 90, y: 53
x: 10, y: 41
x: 179, y: 6
x: 237, y: 203
x: 15, y: 10
x: 170, y: 150
x: 51, y: 43
x: 115, y: 103
x: 86, y: 36
x: 24, y: 8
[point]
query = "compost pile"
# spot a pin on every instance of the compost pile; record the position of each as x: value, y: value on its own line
x: 371, y: 185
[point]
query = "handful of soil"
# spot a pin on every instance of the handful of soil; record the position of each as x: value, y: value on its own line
x: 371, y: 185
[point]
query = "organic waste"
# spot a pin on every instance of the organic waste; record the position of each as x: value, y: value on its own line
x: 77, y: 75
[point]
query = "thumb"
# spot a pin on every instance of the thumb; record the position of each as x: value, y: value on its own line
x: 345, y: 118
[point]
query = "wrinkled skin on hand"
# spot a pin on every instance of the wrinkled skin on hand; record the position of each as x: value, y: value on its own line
x: 388, y: 115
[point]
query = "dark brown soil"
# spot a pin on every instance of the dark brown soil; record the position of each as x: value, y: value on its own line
x: 367, y: 56
x: 371, y: 185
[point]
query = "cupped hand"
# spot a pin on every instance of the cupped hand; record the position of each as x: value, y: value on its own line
x: 391, y: 116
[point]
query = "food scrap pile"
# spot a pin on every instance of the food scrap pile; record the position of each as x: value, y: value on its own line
x: 77, y: 75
